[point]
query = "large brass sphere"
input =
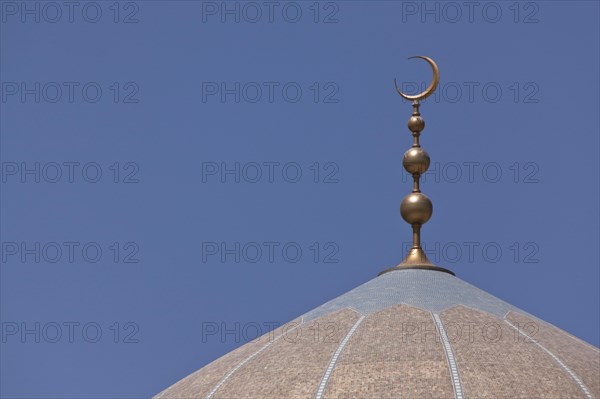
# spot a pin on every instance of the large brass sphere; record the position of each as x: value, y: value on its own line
x: 416, y: 124
x: 416, y: 160
x: 416, y: 208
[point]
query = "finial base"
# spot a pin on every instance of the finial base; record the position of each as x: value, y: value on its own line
x: 416, y: 259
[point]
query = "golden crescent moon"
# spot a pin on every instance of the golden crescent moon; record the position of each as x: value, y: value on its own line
x: 432, y: 86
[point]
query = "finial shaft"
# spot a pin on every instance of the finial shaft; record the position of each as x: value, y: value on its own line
x: 416, y: 235
x: 416, y: 208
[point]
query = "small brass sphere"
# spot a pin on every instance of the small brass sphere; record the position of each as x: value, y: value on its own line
x: 416, y: 124
x: 416, y: 160
x: 416, y: 208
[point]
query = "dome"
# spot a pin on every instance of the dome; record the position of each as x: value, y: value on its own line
x: 412, y: 333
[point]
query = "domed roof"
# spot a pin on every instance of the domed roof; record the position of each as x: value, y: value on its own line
x: 406, y: 333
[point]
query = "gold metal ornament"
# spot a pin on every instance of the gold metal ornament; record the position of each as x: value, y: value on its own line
x: 416, y: 208
x: 432, y: 86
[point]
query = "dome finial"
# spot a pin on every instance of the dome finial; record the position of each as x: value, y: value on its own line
x: 416, y: 208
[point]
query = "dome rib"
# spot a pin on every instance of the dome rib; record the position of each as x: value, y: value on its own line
x: 248, y: 359
x: 574, y: 376
x: 323, y: 384
x: 456, y: 383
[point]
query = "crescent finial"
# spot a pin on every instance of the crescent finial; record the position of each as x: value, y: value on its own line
x: 432, y: 85
x: 416, y: 208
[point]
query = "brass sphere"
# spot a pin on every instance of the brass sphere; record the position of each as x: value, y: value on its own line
x: 416, y: 160
x: 416, y: 124
x: 416, y: 208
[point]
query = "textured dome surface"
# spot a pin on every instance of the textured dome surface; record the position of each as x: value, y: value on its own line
x: 405, y: 334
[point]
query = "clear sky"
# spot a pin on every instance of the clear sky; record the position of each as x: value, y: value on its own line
x: 169, y: 167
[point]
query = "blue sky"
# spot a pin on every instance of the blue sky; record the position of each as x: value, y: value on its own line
x: 172, y: 165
